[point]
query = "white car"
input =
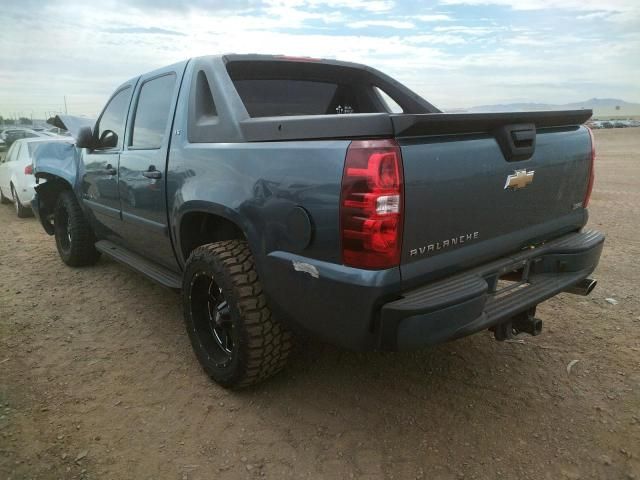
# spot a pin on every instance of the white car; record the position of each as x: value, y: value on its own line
x: 16, y: 172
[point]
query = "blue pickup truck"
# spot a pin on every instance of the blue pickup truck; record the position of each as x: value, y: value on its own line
x: 294, y: 196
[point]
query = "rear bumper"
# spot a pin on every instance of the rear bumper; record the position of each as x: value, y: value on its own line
x: 472, y: 301
x: 369, y: 310
x: 26, y: 192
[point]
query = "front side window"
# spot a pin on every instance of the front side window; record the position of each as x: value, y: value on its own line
x: 110, y: 128
x: 152, y: 112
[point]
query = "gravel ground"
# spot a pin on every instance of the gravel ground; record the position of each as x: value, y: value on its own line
x: 97, y: 379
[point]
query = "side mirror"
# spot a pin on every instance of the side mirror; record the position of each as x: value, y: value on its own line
x: 84, y: 138
x: 108, y: 139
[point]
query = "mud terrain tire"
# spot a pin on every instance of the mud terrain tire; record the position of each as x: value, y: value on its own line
x: 232, y: 331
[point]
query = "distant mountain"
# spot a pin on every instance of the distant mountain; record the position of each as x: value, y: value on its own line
x: 600, y: 107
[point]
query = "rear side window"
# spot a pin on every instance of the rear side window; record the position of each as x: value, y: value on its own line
x: 152, y: 112
x: 16, y: 153
x: 10, y: 153
x: 270, y: 98
x: 24, y: 152
x: 289, y: 88
x: 389, y: 102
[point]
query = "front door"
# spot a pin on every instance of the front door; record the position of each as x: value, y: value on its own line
x: 142, y: 168
x: 99, y: 187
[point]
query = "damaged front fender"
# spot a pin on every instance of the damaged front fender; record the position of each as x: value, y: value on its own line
x: 56, y: 159
x: 58, y: 164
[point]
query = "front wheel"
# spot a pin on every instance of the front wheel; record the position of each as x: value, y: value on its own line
x: 74, y: 237
x: 232, y: 331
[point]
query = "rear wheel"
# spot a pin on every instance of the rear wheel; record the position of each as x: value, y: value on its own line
x: 232, y: 331
x: 21, y: 210
x: 74, y: 237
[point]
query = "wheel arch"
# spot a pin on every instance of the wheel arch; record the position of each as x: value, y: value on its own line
x: 200, y: 223
x: 47, y: 197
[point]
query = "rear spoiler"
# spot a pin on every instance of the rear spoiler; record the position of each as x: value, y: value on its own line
x: 414, y: 125
x: 384, y: 125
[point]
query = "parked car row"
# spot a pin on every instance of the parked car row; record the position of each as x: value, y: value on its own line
x: 10, y: 135
x: 17, y: 181
x: 597, y: 124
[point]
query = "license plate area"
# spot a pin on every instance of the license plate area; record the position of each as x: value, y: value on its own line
x: 510, y: 280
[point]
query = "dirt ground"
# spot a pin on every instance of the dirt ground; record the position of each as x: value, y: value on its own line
x: 97, y: 379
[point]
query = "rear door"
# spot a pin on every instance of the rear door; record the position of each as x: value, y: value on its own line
x: 142, y: 167
x: 99, y: 186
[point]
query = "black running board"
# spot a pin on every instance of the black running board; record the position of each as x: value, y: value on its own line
x: 155, y: 272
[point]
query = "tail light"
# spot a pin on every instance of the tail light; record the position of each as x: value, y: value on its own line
x: 587, y: 195
x: 371, y: 205
x: 28, y: 170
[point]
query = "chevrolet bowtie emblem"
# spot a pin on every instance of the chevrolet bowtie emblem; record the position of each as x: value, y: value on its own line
x: 519, y: 179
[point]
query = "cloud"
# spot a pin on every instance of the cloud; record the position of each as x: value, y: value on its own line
x: 572, y: 5
x: 144, y: 30
x: 375, y: 6
x: 455, y: 57
x: 371, y: 6
x: 436, y: 17
x: 399, y: 24
x: 435, y: 39
x: 594, y: 16
x: 469, y: 30
x: 187, y: 5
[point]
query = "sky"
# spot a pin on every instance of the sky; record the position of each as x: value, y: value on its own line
x: 455, y: 53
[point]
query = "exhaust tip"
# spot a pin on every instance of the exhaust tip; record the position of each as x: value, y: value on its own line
x: 584, y: 287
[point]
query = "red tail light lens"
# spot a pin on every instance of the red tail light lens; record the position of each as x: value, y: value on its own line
x: 371, y: 205
x: 587, y: 195
x: 28, y: 170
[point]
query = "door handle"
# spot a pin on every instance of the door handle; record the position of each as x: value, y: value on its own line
x: 155, y: 174
x: 517, y: 141
x: 109, y: 170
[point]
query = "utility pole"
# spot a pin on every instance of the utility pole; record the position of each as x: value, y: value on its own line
x: 65, y: 105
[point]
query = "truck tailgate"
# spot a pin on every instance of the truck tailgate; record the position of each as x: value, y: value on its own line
x: 469, y: 198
